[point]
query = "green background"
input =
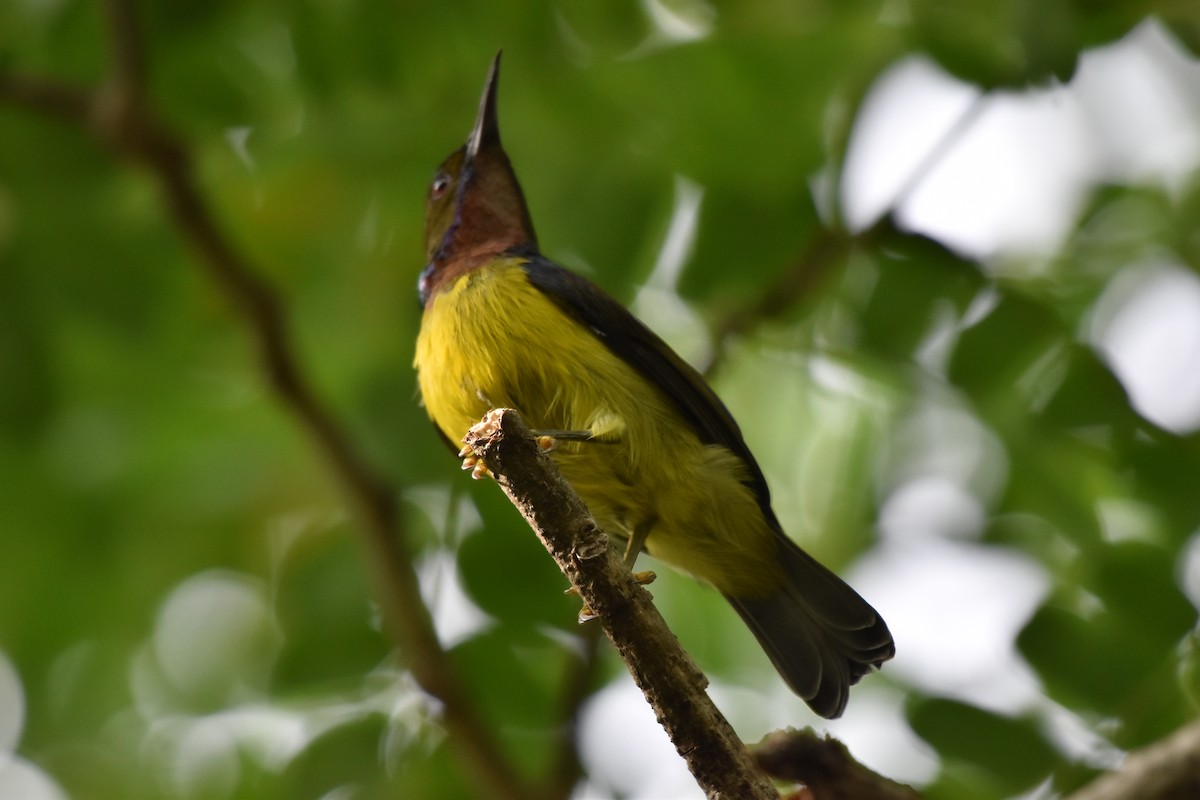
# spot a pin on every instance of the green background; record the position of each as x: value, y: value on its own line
x: 182, y: 594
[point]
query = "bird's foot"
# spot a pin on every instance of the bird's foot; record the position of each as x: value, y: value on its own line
x: 470, y: 460
x: 548, y: 440
x: 586, y: 614
x: 479, y: 470
x: 644, y: 578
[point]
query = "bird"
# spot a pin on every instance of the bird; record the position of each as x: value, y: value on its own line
x: 653, y: 452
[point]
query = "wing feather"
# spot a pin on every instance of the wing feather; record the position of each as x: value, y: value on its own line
x: 635, y: 344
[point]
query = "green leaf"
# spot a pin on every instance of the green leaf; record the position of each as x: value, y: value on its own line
x: 423, y: 771
x: 344, y: 759
x: 992, y: 355
x: 507, y: 571
x: 325, y: 614
x: 1090, y: 396
x: 517, y: 676
x: 1136, y: 582
x: 1011, y: 754
x: 1119, y: 656
x: 1016, y: 43
x: 1165, y: 466
x: 918, y: 278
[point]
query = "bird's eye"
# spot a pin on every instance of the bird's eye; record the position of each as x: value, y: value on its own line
x: 439, y: 186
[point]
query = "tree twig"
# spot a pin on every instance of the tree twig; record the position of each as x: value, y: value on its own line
x: 830, y: 245
x: 824, y: 251
x: 1166, y: 770
x: 53, y: 98
x: 673, y: 685
x: 825, y: 766
x: 128, y: 67
x: 827, y: 247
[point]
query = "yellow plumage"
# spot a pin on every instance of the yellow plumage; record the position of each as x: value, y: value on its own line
x: 645, y: 468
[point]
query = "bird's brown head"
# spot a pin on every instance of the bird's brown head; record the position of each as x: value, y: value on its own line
x: 475, y: 209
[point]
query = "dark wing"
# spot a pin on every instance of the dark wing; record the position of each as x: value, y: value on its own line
x: 820, y: 634
x: 641, y: 348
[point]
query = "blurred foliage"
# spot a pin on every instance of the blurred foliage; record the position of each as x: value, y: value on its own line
x: 182, y: 597
x: 1001, y: 757
x: 1024, y: 42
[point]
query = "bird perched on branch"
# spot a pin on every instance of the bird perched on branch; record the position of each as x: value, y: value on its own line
x: 652, y: 451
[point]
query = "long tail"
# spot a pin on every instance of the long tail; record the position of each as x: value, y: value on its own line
x: 819, y: 633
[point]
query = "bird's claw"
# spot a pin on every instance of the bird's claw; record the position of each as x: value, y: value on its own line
x: 586, y: 614
x: 644, y: 578
x: 470, y: 461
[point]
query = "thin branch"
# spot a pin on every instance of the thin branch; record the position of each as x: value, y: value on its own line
x: 826, y: 249
x: 54, y: 99
x: 831, y: 245
x: 673, y: 685
x: 938, y: 150
x: 824, y: 252
x: 122, y: 118
x: 825, y: 766
x: 1166, y: 770
x: 128, y: 55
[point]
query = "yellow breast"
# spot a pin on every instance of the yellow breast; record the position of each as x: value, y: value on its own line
x: 491, y: 339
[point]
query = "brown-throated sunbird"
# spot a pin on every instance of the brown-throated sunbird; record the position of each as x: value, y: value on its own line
x: 663, y: 464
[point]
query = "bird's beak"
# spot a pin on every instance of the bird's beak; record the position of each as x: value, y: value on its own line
x: 486, y: 132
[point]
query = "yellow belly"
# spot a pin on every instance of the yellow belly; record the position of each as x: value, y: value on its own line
x: 491, y: 340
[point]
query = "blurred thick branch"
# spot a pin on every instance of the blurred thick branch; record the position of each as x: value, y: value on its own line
x: 673, y: 685
x: 121, y: 117
x: 825, y: 767
x: 1166, y: 770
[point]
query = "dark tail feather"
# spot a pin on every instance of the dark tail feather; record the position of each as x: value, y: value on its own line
x: 819, y: 633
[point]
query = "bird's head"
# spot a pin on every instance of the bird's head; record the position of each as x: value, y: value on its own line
x: 475, y: 209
